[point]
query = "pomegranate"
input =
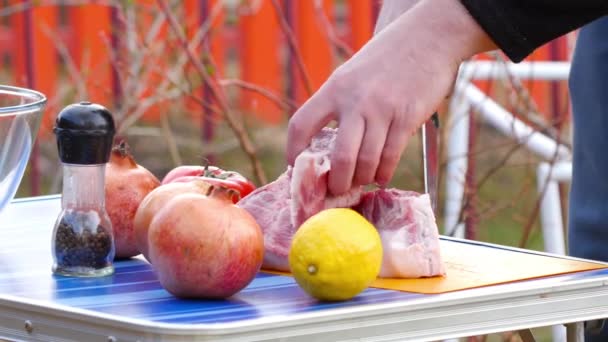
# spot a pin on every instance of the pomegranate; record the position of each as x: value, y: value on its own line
x: 154, y: 201
x: 205, y: 246
x: 126, y: 185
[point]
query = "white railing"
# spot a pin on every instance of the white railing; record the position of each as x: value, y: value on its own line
x: 556, y: 165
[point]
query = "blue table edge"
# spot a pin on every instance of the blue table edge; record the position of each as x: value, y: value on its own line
x: 449, y: 298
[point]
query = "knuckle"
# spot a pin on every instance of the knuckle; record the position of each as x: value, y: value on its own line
x: 366, y: 169
x: 374, y: 99
x: 337, y: 82
x: 390, y: 156
x: 294, y: 128
x: 365, y: 162
x: 364, y: 177
x: 403, y: 123
x: 344, y: 160
x: 370, y: 112
x: 408, y: 108
x: 338, y: 184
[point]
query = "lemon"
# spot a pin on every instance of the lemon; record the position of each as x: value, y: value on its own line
x: 335, y: 254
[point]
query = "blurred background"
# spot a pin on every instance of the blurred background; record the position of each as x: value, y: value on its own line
x: 219, y: 79
x: 257, y: 60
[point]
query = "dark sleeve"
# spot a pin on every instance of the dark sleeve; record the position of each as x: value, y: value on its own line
x: 520, y: 26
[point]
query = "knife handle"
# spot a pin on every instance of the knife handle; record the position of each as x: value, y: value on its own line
x: 435, y: 120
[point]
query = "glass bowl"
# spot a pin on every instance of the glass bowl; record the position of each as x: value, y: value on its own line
x: 21, y: 112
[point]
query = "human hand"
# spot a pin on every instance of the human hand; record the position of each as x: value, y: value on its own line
x: 391, y: 10
x: 384, y: 93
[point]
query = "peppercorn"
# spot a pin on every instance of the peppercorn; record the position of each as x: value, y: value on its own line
x: 85, y: 249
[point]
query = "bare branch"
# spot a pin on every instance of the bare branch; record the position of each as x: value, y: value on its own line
x: 170, y: 138
x: 71, y: 66
x: 341, y: 47
x: 137, y: 108
x: 218, y: 95
x: 280, y: 102
x: 293, y: 46
x: 525, y: 107
x: 25, y: 5
x: 529, y: 225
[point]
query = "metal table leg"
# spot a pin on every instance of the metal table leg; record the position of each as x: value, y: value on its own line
x: 575, y: 332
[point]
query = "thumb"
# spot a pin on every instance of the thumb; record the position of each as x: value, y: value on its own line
x: 307, y: 121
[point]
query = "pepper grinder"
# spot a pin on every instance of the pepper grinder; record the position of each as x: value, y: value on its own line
x: 82, y: 240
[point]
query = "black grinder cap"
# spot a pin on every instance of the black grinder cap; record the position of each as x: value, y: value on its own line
x: 85, y: 133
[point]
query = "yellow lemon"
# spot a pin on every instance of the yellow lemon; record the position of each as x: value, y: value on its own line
x: 335, y: 254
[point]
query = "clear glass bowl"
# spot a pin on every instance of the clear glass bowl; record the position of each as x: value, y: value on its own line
x: 21, y: 112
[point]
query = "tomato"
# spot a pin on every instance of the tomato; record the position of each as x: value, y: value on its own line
x: 213, y: 175
x: 187, y: 170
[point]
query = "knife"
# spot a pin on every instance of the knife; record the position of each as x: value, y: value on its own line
x: 430, y: 158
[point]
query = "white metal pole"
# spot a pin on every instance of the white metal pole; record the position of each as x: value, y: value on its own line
x: 484, y: 70
x: 551, y: 221
x: 467, y: 96
x: 456, y: 169
x: 505, y: 122
x: 562, y: 171
x: 550, y: 211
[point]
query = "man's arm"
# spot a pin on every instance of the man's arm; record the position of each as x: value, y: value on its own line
x: 382, y: 95
x: 391, y: 10
x: 518, y: 27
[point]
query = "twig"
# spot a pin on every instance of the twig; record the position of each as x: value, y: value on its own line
x: 293, y: 46
x: 280, y: 102
x: 135, y: 105
x: 69, y: 61
x: 25, y: 5
x: 529, y: 113
x: 217, y: 93
x: 484, y: 179
x: 487, y: 176
x: 143, y: 105
x: 530, y: 107
x: 267, y: 134
x: 491, y: 209
x: 529, y: 225
x: 471, y: 213
x: 132, y: 107
x: 199, y: 100
x: 140, y: 50
x: 341, y: 47
x: 168, y: 134
x: 115, y: 65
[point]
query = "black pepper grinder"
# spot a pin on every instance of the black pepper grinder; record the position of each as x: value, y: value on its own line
x: 83, y: 243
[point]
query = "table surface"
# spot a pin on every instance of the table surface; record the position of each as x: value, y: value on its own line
x: 131, y: 304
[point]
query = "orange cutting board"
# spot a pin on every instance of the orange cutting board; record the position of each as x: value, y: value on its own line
x: 470, y: 265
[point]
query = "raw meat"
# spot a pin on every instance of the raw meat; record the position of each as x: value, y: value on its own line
x: 270, y: 206
x: 300, y: 192
x: 409, y: 234
x: 404, y: 219
x: 309, y: 181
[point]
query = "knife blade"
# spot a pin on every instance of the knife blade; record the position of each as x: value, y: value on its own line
x: 430, y: 158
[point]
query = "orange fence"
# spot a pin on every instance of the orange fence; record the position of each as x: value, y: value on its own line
x: 31, y: 35
x: 89, y: 30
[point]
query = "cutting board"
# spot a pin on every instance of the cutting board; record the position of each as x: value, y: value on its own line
x: 470, y: 265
